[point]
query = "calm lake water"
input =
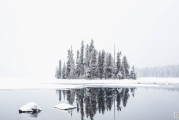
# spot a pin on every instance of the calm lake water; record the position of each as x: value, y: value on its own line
x: 93, y: 104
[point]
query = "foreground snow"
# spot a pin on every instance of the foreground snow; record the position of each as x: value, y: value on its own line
x: 80, y: 83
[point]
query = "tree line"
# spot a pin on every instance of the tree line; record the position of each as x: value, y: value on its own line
x: 163, y: 71
x: 93, y: 64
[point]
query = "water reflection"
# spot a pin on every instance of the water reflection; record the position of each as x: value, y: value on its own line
x: 89, y: 101
x: 30, y: 114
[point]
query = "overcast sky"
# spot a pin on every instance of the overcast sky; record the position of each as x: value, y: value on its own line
x: 35, y: 34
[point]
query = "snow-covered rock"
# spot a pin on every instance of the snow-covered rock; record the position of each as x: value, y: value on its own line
x: 30, y: 107
x: 64, y: 106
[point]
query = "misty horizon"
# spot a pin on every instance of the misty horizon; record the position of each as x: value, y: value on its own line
x: 34, y: 35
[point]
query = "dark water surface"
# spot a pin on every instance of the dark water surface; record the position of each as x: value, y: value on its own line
x: 93, y: 104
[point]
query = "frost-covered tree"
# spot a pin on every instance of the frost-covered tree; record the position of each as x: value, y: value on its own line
x: 72, y: 71
x: 70, y: 65
x: 99, y: 66
x: 119, y: 66
x: 132, y: 73
x: 64, y: 71
x: 78, y: 65
x: 103, y: 64
x: 86, y: 61
x: 82, y: 59
x: 109, y: 66
x: 160, y: 71
x: 125, y: 67
x: 92, y: 60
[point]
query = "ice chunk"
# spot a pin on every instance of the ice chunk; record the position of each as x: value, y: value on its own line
x: 64, y: 106
x: 30, y: 107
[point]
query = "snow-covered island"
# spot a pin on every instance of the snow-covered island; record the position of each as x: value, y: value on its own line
x: 91, y: 63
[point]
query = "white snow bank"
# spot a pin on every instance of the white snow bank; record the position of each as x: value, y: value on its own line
x: 80, y: 83
x: 30, y: 107
x: 64, y: 106
x: 31, y: 83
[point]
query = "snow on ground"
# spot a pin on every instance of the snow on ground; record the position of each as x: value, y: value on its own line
x: 42, y: 83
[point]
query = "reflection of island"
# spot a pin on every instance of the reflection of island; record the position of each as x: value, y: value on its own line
x: 91, y: 100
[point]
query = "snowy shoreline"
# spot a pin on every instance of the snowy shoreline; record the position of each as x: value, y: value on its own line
x: 81, y: 83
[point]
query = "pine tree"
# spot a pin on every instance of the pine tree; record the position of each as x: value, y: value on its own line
x: 72, y: 69
x: 64, y: 71
x: 132, y: 73
x: 91, y: 47
x: 92, y: 59
x: 93, y: 63
x: 86, y: 62
x: 119, y: 66
x: 114, y: 76
x: 82, y: 59
x: 99, y: 66
x: 70, y: 65
x: 60, y: 69
x: 109, y: 66
x: 125, y: 66
x: 77, y: 70
x: 103, y: 56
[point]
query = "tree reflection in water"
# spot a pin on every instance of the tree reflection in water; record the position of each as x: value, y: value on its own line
x: 91, y: 100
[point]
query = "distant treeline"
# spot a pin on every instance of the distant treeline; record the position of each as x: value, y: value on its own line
x: 93, y: 64
x: 164, y: 71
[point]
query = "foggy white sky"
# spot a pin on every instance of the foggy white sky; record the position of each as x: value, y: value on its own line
x: 35, y: 34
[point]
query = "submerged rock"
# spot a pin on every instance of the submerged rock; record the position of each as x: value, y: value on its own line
x: 64, y: 106
x: 30, y: 107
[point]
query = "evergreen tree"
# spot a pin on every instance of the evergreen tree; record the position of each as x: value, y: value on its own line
x: 91, y: 47
x: 119, y: 66
x: 82, y: 59
x: 86, y: 62
x: 77, y: 70
x: 60, y: 69
x: 103, y: 64
x: 125, y: 66
x: 99, y: 66
x: 70, y: 65
x: 109, y: 66
x: 92, y: 60
x: 72, y: 69
x: 64, y: 71
x: 93, y: 63
x: 132, y: 73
